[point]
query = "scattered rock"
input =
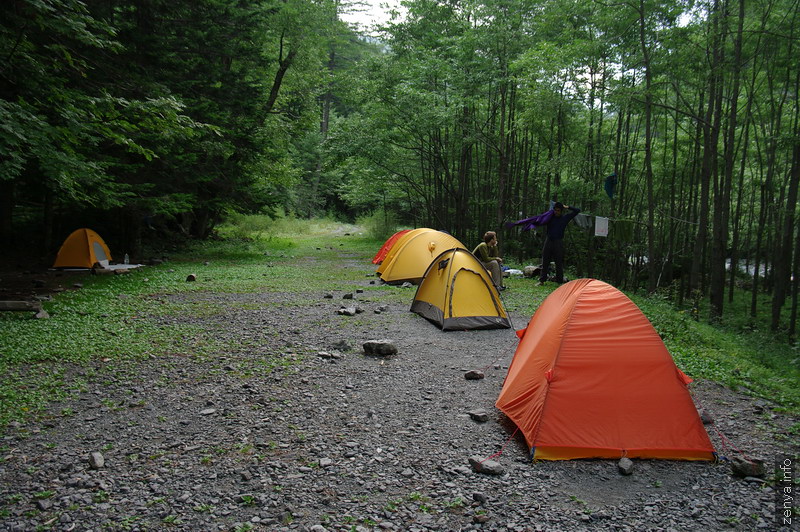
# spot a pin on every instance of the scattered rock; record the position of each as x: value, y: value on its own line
x: 706, y: 417
x: 208, y: 411
x: 328, y: 296
x: 754, y: 467
x: 342, y: 345
x: 485, y: 466
x: 41, y: 315
x: 347, y: 311
x: 474, y: 375
x: 96, y: 460
x: 479, y: 415
x: 625, y: 466
x: 480, y: 518
x: 44, y: 504
x: 379, y: 348
x: 531, y: 271
x: 347, y: 296
x: 406, y: 285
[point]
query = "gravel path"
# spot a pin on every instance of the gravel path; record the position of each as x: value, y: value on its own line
x: 300, y: 430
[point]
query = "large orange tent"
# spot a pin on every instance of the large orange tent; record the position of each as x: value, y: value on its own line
x: 381, y: 254
x: 591, y: 378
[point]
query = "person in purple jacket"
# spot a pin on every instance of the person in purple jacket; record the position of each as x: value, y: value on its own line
x: 553, y: 249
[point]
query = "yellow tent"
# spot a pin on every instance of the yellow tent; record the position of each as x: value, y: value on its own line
x: 457, y: 293
x: 398, y: 244
x: 414, y: 254
x: 82, y: 249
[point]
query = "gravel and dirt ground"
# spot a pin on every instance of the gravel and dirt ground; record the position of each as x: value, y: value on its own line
x: 299, y: 430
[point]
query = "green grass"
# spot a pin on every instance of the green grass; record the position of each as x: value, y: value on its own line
x: 122, y: 319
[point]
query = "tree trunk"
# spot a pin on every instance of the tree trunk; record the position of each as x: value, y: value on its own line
x: 652, y: 260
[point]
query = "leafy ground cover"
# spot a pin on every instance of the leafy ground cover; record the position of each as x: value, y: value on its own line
x: 123, y: 317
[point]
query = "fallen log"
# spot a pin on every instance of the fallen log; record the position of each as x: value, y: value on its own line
x: 20, y: 305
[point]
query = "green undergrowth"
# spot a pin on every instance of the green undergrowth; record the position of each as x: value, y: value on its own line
x: 115, y: 320
x: 154, y: 312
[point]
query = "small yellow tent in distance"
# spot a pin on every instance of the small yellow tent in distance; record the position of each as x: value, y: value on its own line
x: 82, y: 249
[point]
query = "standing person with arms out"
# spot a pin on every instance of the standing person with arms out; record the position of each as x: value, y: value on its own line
x: 554, y: 241
x: 487, y: 253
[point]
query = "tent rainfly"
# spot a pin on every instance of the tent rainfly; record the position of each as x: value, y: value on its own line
x: 591, y: 378
x: 457, y: 293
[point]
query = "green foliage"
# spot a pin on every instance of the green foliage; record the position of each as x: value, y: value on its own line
x: 379, y: 225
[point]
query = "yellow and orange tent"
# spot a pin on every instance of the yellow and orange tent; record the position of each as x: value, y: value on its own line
x: 398, y: 245
x: 381, y: 254
x: 591, y: 378
x: 82, y: 249
x: 413, y: 252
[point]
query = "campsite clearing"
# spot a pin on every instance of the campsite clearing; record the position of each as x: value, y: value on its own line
x: 266, y: 415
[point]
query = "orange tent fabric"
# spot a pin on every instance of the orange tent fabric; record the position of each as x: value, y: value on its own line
x: 381, y: 254
x: 82, y: 249
x: 591, y: 378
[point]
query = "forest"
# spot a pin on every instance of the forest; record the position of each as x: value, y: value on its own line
x: 677, y: 121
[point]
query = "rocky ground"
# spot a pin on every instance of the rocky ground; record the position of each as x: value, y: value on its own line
x: 298, y: 429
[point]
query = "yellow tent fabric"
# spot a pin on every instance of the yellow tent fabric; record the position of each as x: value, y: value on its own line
x: 415, y: 254
x: 399, y: 243
x: 82, y: 249
x: 457, y: 293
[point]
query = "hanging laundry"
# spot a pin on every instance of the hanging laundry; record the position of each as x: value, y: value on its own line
x: 583, y: 221
x: 611, y: 185
x: 533, y: 222
x: 600, y: 226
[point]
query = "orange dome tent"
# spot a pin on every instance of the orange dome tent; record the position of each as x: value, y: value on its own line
x: 381, y: 254
x: 591, y: 378
x: 82, y: 249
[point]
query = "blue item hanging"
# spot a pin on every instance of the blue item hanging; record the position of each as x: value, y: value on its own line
x: 611, y: 185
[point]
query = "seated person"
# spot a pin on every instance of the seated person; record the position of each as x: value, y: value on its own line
x: 486, y: 252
